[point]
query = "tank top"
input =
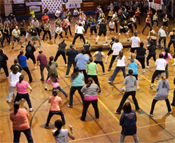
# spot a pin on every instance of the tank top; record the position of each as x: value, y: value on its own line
x: 154, y: 41
x: 173, y: 37
x: 133, y: 66
x: 121, y: 62
x: 98, y: 57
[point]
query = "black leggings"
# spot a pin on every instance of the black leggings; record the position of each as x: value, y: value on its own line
x: 76, y: 36
x: 146, y: 26
x: 155, y: 74
x: 95, y: 78
x: 26, y: 69
x: 110, y: 52
x: 112, y: 60
x: 6, y: 36
x: 141, y: 60
x: 85, y: 75
x: 59, y: 35
x: 60, y: 53
x: 149, y: 56
x: 31, y: 56
x: 45, y: 32
x: 101, y: 63
x: 173, y: 102
x: 125, y: 96
x: 25, y: 96
x: 154, y: 103
x: 171, y: 42
x: 4, y: 66
x: 88, y: 52
x: 51, y: 113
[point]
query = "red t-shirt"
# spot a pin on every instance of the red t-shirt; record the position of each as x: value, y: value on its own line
x: 55, y: 102
x: 64, y: 25
x: 137, y: 14
x: 45, y: 18
x: 20, y: 120
x: 149, y: 12
x: 42, y: 59
x: 22, y: 87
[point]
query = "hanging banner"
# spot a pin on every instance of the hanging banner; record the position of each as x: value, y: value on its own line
x: 71, y: 1
x: 76, y: 5
x: 36, y: 8
x: 7, y: 7
x: 18, y: 1
x: 33, y: 2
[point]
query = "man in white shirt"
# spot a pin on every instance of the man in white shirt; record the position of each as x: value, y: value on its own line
x: 135, y: 41
x: 111, y: 27
x: 79, y: 31
x: 58, y: 31
x: 16, y: 36
x: 57, y: 13
x: 162, y: 36
x: 35, y: 24
x: 116, y: 47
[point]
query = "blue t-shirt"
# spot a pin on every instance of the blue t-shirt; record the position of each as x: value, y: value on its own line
x: 78, y: 81
x: 134, y: 67
x: 81, y: 61
x: 22, y: 61
x: 93, y: 27
x: 124, y: 13
x: 71, y: 54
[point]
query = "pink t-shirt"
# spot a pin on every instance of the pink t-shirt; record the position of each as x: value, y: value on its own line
x: 168, y: 58
x: 54, y: 84
x: 22, y: 87
x: 55, y: 102
x: 20, y: 120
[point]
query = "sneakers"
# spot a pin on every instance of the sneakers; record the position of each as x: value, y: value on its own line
x: 46, y: 126
x: 39, y: 44
x: 173, y: 64
x: 117, y: 112
x: 169, y: 112
x: 69, y: 106
x: 31, y: 110
x: 151, y: 87
x: 12, y: 47
x: 138, y: 88
x: 150, y: 114
x: 109, y: 69
x: 24, y: 43
x: 143, y: 72
x: 82, y: 119
x: 66, y: 76
x: 45, y: 88
x: 100, y: 92
x: 109, y: 81
x: 123, y: 89
x: 104, y: 73
x: 66, y: 65
x: 147, y: 67
x: 22, y: 47
x: 128, y: 40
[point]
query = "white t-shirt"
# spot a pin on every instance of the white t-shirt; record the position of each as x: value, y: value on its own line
x: 111, y: 25
x: 76, y: 28
x: 121, y: 62
x: 57, y: 13
x: 117, y: 47
x: 75, y: 12
x: 62, y: 137
x: 160, y: 63
x: 79, y: 30
x: 14, y: 78
x: 135, y: 42
x: 162, y: 33
x: 59, y: 30
x: 35, y: 23
x: 82, y: 22
x: 133, y: 19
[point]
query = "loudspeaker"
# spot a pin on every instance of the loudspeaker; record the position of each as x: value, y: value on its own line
x: 150, y: 0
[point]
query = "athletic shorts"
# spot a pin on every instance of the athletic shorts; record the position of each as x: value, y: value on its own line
x: 123, y: 31
x: 100, y: 33
x: 32, y: 37
x: 136, y: 76
x: 23, y: 33
x: 133, y: 49
x: 110, y: 29
x: 165, y: 24
x: 16, y: 39
x: 95, y: 30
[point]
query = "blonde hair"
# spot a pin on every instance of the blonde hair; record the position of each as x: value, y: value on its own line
x: 133, y: 56
x: 163, y: 76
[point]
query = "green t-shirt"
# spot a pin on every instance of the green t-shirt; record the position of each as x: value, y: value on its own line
x: 92, y: 68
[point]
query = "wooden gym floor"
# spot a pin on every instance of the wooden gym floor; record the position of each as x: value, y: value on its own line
x: 159, y: 128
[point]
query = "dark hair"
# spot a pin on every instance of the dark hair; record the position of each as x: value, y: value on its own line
x: 90, y: 60
x: 151, y: 43
x: 141, y: 44
x: 54, y: 92
x: 100, y: 49
x: 116, y: 40
x: 130, y: 72
x: 15, y: 70
x: 58, y: 125
x: 166, y: 53
x: 120, y: 55
x: 127, y: 107
x: 15, y: 61
x: 113, y: 38
x: 80, y: 24
x: 160, y: 55
x: 135, y: 34
x: 1, y: 52
x: 21, y: 77
x: 53, y: 77
x: 83, y: 51
x: 62, y: 41
x: 29, y: 43
x: 75, y: 72
x: 90, y: 80
x: 40, y: 52
x: 71, y: 46
x: 16, y: 107
x: 21, y: 53
x: 50, y: 60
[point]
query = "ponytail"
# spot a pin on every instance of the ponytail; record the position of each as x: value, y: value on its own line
x: 16, y: 107
x: 21, y: 77
x: 89, y: 82
x: 58, y: 125
x: 20, y: 54
x: 166, y: 53
x: 50, y: 60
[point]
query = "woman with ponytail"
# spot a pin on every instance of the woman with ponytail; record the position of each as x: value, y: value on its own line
x: 61, y: 135
x: 19, y: 118
x: 14, y: 78
x: 90, y: 92
x: 55, y: 102
x: 162, y: 93
x: 22, y: 92
x: 23, y: 62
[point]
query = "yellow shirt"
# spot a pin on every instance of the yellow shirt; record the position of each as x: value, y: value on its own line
x: 32, y: 13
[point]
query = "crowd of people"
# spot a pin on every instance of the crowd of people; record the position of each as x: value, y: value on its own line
x: 121, y: 19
